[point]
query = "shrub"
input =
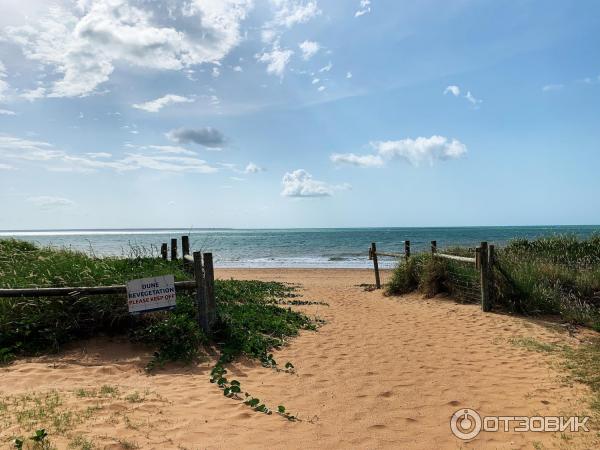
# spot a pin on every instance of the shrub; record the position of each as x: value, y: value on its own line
x: 551, y: 275
x: 406, y: 276
x: 249, y: 318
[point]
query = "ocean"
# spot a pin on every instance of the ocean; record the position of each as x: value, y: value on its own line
x: 302, y: 248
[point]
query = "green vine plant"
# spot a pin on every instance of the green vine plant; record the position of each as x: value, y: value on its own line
x: 302, y: 302
x: 233, y: 389
x: 38, y: 439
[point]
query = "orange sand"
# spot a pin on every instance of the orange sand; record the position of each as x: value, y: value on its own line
x: 383, y: 372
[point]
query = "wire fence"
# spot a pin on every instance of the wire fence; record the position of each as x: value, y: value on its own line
x: 463, y: 281
x: 463, y: 270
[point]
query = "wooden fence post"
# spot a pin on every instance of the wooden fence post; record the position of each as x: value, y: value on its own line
x: 433, y: 247
x: 375, y: 265
x: 163, y: 250
x: 406, y: 250
x: 209, y: 279
x: 491, y: 283
x: 201, y: 303
x: 484, y: 271
x: 173, y: 249
x: 185, y: 250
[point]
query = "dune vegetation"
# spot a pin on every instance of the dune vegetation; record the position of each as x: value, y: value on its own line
x: 250, y: 319
x: 557, y: 275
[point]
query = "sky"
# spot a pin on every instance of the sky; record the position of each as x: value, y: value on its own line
x: 298, y: 113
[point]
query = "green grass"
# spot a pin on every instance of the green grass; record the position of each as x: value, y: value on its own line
x: 582, y: 362
x: 533, y: 344
x: 249, y: 318
x: 557, y: 275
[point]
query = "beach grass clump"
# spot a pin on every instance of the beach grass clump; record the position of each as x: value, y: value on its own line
x: 249, y: 318
x: 407, y: 275
x: 555, y: 275
x: 35, y: 325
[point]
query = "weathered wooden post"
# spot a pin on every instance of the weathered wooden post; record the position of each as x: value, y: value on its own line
x: 433, y: 247
x: 163, y: 250
x: 173, y: 249
x: 185, y: 245
x: 209, y: 280
x: 491, y: 261
x: 375, y: 265
x: 185, y: 250
x: 201, y: 304
x: 484, y: 271
x: 406, y: 250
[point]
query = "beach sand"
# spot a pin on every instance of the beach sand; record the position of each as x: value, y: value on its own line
x: 382, y: 372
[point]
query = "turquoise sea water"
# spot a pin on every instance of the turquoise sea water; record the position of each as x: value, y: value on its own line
x: 319, y: 247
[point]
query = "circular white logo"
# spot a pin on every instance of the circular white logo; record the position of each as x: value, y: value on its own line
x: 465, y: 424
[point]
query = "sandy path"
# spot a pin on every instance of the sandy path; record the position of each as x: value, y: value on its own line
x: 382, y: 373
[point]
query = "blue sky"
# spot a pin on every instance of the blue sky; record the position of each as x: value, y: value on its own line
x: 298, y: 113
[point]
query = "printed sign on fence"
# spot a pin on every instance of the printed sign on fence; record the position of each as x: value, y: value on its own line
x: 151, y: 294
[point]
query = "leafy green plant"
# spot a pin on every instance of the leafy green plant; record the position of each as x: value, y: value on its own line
x: 284, y: 413
x: 250, y: 317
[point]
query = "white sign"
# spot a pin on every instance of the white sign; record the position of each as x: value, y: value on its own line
x: 151, y: 294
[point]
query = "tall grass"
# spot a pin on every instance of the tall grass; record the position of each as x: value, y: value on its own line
x: 553, y: 275
x: 248, y: 318
x: 557, y: 275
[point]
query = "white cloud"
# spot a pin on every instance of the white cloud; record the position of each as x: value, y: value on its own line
x: 253, y: 168
x: 421, y: 149
x: 474, y: 101
x: 23, y: 149
x: 552, y: 87
x: 6, y: 167
x: 238, y: 69
x: 300, y: 183
x: 269, y: 35
x: 49, y: 202
x: 348, y: 74
x: 84, y: 44
x: 321, y: 88
x: 358, y: 160
x: 455, y: 91
x: 292, y: 12
x: 415, y: 151
x: 326, y: 68
x: 216, y: 73
x: 7, y: 112
x: 365, y: 8
x: 53, y: 159
x: 3, y: 84
x: 159, y: 103
x: 309, y: 49
x: 172, y: 149
x: 452, y: 89
x: 276, y: 60
x: 167, y: 163
x: 99, y: 155
x: 34, y: 94
x: 315, y: 80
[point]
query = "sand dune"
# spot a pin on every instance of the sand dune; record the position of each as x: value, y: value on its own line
x: 383, y: 372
